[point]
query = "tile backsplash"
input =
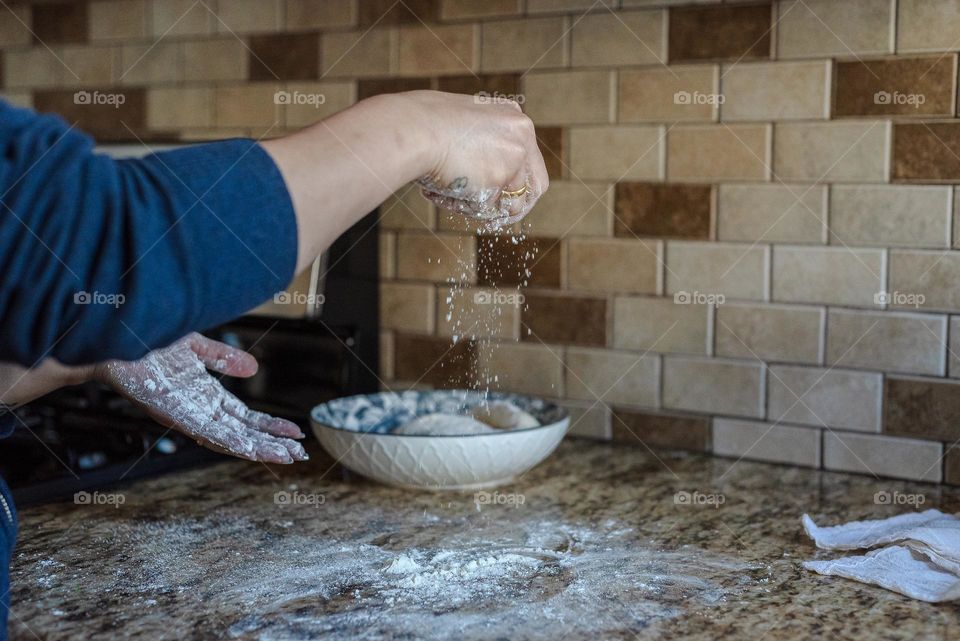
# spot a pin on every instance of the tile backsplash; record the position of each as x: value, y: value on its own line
x: 750, y: 245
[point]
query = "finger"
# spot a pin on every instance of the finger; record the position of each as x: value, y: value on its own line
x: 229, y: 436
x: 259, y: 421
x: 223, y: 358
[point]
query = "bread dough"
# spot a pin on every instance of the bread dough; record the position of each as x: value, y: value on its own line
x: 443, y: 425
x: 503, y: 415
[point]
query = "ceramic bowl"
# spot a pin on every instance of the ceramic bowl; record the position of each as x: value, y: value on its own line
x: 356, y: 431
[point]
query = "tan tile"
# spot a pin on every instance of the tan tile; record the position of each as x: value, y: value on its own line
x: 32, y: 68
x: 555, y: 6
x: 665, y: 430
x: 149, y: 65
x: 890, y: 216
x: 247, y: 106
x: 835, y: 398
x: 507, y: 366
x: 89, y: 66
x: 386, y: 356
x: 714, y: 386
x: 810, y: 28
x: 180, y: 18
x: 388, y: 255
x: 407, y: 209
x: 887, y: 341
x: 220, y: 59
x: 247, y: 16
x: 613, y: 377
x: 15, y: 29
x: 727, y: 32
x: 925, y: 280
x: 471, y: 9
x: 765, y: 442
x: 772, y: 213
x: 569, y: 97
x: 775, y: 91
x: 698, y: 269
x: 617, y: 152
x: 407, y: 307
x: 179, y: 108
x: 519, y: 45
x: 659, y: 325
x: 927, y: 25
x: 436, y: 257
x: 669, y: 94
x: 810, y: 275
x: 475, y: 312
x: 919, y: 86
x: 117, y: 19
x: 19, y: 98
x: 664, y: 3
x: 718, y: 152
x: 360, y: 53
x: 835, y: 152
x: 772, y: 333
x: 312, y: 101
x: 901, y: 458
x: 588, y: 420
x: 619, y: 39
x: 572, y: 208
x: 436, y: 49
x: 310, y: 14
x: 556, y: 317
x: 597, y: 265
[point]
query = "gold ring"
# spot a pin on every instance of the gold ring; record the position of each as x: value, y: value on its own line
x: 515, y: 194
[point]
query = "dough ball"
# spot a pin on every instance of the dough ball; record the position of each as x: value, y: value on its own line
x: 503, y: 415
x: 443, y: 425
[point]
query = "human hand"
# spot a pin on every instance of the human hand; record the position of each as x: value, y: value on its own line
x: 173, y: 386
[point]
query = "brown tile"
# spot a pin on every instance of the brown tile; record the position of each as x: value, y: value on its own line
x: 384, y: 12
x: 58, y: 22
x: 118, y: 19
x: 928, y: 151
x: 740, y: 32
x: 97, y: 117
x: 432, y: 360
x: 951, y: 466
x: 360, y: 54
x: 500, y: 261
x: 375, y: 86
x: 285, y: 57
x: 671, y: 211
x: 574, y: 320
x: 310, y: 14
x: 550, y: 141
x: 921, y: 407
x: 495, y: 84
x: 671, y: 431
x: 897, y: 86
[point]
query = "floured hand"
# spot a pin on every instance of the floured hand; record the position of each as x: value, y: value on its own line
x: 174, y: 387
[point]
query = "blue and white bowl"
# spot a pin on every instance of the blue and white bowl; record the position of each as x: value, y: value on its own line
x: 356, y: 431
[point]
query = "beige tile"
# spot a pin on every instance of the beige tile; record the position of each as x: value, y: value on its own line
x: 777, y: 333
x: 407, y: 307
x: 19, y: 98
x: 479, y: 312
x: 597, y: 265
x: 552, y: 6
x: 359, y: 53
x: 89, y: 66
x: 772, y: 213
x: 714, y: 386
x: 507, y: 366
x: 294, y: 305
x: 697, y: 269
x: 834, y: 152
x: 887, y: 341
x: 449, y: 49
x: 588, y: 420
x: 775, y: 91
x: 669, y: 94
x: 388, y: 255
x: 386, y: 355
x: 890, y: 216
x: 310, y: 102
x: 766, y: 442
x: 310, y: 14
x: 624, y: 378
x: 247, y: 106
x: 179, y: 108
x: 407, y: 209
x: 116, y: 19
x: 617, y: 153
x: 180, y: 18
x: 660, y: 325
x: 436, y: 257
x: 808, y: 28
x: 220, y: 59
x: 718, y: 152
x: 467, y: 9
x: 247, y: 16
x: 901, y: 458
x: 925, y: 280
x: 519, y: 45
x: 835, y: 398
x: 149, y: 65
x: 32, y: 68
x: 569, y: 97
x: 15, y: 28
x: 619, y: 39
x: 811, y: 275
x: 572, y: 208
x: 927, y: 25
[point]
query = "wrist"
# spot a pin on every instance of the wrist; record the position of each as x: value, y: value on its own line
x: 411, y: 129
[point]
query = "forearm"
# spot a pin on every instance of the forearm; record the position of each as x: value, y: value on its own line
x: 19, y: 385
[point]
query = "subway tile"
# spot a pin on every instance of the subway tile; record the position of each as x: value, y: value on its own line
x: 507, y: 366
x: 388, y: 255
x: 247, y: 106
x: 660, y: 325
x: 663, y: 210
x: 310, y: 14
x: 572, y: 208
x: 521, y: 45
x: 588, y: 420
x: 433, y: 360
x: 926, y: 152
x: 668, y: 94
x: 619, y: 39
x: 578, y: 6
x: 953, y: 352
x: 808, y: 28
x: 766, y: 442
x: 179, y: 107
x: 212, y: 60
x: 809, y: 274
x: 407, y: 209
x: 385, y: 12
x: 436, y: 257
x: 730, y: 32
x: 19, y: 98
x: 731, y: 270
x: 772, y: 213
x: 832, y: 152
x: 834, y: 398
x: 285, y: 57
x: 447, y: 49
x: 59, y: 22
x: 180, y: 18
x: 116, y: 19
x: 33, y: 68
x: 88, y: 66
x: 776, y: 91
x: 376, y: 86
x: 554, y: 317
x: 597, y: 265
x: 921, y: 408
x: 151, y: 64
x: 478, y: 313
x: 661, y: 430
x: 713, y: 386
x: 407, y: 307
x: 777, y: 333
x: 361, y: 54
x: 882, y: 456
x: 387, y: 349
x: 927, y: 25
x: 102, y: 121
x: 550, y: 140
x: 472, y: 9
x: 528, y: 261
x: 309, y: 102
x: 718, y: 152
x: 15, y: 27
x: 569, y: 97
x: 896, y: 87
x: 925, y: 279
x: 890, y: 216
x: 492, y: 85
x: 951, y: 465
x: 887, y: 341
x: 246, y: 16
x: 617, y: 152
x: 613, y: 377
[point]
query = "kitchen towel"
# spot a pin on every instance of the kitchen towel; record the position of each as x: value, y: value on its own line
x: 921, y: 558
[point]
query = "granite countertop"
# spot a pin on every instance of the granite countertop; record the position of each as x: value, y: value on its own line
x: 591, y: 544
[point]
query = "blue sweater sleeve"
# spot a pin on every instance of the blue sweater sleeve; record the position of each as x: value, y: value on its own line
x: 103, y: 258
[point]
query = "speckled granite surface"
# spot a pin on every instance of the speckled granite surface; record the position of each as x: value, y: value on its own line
x: 591, y: 543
